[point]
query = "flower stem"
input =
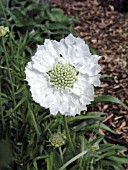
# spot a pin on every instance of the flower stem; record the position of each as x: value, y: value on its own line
x: 68, y: 134
x: 2, y: 8
x: 1, y: 107
x: 7, y: 24
x: 61, y: 154
x: 9, y: 73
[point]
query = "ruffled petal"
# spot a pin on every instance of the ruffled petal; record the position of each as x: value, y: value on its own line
x: 80, y: 85
x: 44, y: 59
x: 70, y: 40
x: 34, y: 77
x: 95, y: 80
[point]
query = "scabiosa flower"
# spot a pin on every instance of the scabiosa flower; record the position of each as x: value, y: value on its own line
x: 62, y: 75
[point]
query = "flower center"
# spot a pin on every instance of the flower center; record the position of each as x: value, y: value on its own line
x: 63, y: 75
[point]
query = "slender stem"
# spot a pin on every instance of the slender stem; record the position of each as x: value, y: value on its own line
x: 2, y: 8
x: 7, y: 62
x: 1, y: 109
x: 7, y: 24
x: 9, y: 73
x: 6, y: 57
x: 61, y: 154
x: 34, y: 120
x: 11, y: 81
x: 68, y: 134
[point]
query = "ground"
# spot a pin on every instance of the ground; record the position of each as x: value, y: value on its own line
x: 106, y: 28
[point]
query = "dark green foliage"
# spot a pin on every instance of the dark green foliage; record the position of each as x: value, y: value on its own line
x: 40, y: 20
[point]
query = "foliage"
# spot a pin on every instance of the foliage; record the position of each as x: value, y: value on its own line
x: 25, y: 127
x: 39, y: 20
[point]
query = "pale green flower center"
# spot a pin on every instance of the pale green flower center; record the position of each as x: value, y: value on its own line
x: 63, y: 75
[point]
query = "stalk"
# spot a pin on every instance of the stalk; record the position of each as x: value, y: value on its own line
x: 2, y: 8
x: 68, y: 134
x: 9, y: 73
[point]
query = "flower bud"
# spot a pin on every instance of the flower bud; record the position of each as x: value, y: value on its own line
x: 57, y: 139
x: 3, y: 31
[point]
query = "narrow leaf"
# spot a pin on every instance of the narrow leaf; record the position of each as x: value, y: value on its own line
x: 109, y: 99
x: 73, y: 159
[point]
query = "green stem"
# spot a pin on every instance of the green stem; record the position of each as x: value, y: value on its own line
x: 68, y: 134
x: 9, y: 73
x: 5, y: 17
x: 61, y: 154
x: 1, y: 108
x: 2, y: 8
x: 32, y: 115
x: 6, y: 57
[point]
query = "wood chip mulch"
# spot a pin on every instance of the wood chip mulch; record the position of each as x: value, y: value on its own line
x: 106, y: 29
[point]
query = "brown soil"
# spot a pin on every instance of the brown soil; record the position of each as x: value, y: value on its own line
x: 106, y: 29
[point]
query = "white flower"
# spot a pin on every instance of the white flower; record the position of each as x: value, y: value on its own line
x: 62, y: 75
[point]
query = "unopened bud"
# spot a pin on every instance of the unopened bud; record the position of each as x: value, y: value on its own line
x: 3, y: 31
x: 57, y: 139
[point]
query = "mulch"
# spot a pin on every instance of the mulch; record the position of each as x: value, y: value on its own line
x: 105, y: 28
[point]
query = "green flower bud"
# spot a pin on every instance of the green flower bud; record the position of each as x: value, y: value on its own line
x: 57, y: 139
x: 3, y: 31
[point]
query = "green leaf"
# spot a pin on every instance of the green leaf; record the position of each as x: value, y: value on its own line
x: 96, y: 113
x: 109, y: 147
x: 107, y: 154
x: 57, y: 16
x: 73, y: 159
x: 94, y: 50
x: 115, y: 165
x: 21, y: 89
x: 20, y: 18
x: 32, y: 116
x: 50, y: 161
x: 89, y: 115
x: 23, y: 99
x: 85, y: 126
x: 109, y: 99
x: 105, y: 127
x: 57, y: 160
x: 35, y: 165
x: 119, y: 158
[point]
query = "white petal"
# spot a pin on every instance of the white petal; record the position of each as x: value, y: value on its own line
x: 34, y: 77
x: 95, y: 58
x: 94, y: 70
x: 95, y: 80
x: 70, y: 39
x: 50, y: 45
x: 46, y: 56
x: 54, y: 110
x: 63, y: 50
x: 84, y: 100
x: 80, y: 85
x: 90, y: 92
x: 82, y: 48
